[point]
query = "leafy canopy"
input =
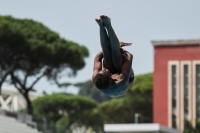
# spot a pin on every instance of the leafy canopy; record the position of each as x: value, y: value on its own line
x: 57, y: 105
x: 36, y: 46
x: 137, y: 100
x: 69, y: 111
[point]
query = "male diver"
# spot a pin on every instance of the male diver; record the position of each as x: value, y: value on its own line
x: 116, y: 74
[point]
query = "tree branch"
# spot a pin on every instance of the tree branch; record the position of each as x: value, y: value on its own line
x: 7, y: 73
x: 38, y: 78
x: 17, y: 87
x: 65, y: 84
x: 17, y: 80
x: 3, y: 79
x: 25, y: 79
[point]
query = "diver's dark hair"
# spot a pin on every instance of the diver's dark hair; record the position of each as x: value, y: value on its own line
x: 102, y: 81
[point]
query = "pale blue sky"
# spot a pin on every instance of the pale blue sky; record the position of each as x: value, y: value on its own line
x: 136, y: 21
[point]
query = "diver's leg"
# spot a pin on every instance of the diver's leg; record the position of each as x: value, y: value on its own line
x: 105, y: 47
x: 114, y: 43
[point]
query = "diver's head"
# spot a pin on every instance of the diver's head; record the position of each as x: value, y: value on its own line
x: 103, y: 79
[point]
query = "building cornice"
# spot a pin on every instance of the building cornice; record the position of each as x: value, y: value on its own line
x: 175, y: 42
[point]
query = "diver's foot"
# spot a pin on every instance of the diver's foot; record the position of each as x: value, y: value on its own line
x: 106, y: 20
x: 99, y: 21
x: 122, y: 44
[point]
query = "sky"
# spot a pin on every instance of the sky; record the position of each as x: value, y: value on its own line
x: 136, y: 21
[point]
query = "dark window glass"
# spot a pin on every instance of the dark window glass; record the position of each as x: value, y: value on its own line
x: 173, y: 103
x: 173, y: 87
x: 174, y: 92
x: 174, y: 121
x: 197, y: 76
x: 185, y: 88
x: 173, y: 78
x: 198, y: 91
x: 185, y: 103
x: 186, y: 110
x: 186, y: 92
x: 185, y: 69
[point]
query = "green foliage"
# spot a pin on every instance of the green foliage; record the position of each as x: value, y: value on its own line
x: 64, y: 121
x: 197, y: 128
x: 32, y: 50
x: 88, y: 119
x: 142, y: 84
x: 116, y: 111
x: 68, y: 110
x: 188, y: 127
x: 88, y: 89
x: 140, y: 96
x: 57, y: 105
x: 94, y: 119
x: 38, y: 45
x: 137, y: 100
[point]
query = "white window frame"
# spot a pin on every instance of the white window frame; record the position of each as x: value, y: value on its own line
x: 170, y: 64
x: 182, y: 92
x: 194, y: 63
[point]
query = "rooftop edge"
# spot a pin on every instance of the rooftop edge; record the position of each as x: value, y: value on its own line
x: 175, y: 42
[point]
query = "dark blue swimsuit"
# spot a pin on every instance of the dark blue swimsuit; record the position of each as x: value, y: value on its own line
x: 131, y: 80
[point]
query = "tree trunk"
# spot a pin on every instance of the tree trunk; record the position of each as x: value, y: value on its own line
x: 0, y: 87
x: 29, y: 104
x: 2, y: 80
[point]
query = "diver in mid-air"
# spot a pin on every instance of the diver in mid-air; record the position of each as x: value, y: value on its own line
x: 116, y: 74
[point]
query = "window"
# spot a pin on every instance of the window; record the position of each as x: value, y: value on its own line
x: 197, y: 76
x: 185, y: 89
x: 174, y: 88
x: 174, y: 121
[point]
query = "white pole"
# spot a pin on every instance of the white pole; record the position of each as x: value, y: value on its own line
x: 136, y: 117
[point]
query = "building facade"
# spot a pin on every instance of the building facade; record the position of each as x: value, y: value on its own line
x: 12, y: 100
x: 176, y: 82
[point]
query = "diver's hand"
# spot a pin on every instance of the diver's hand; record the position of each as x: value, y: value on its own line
x: 122, y: 44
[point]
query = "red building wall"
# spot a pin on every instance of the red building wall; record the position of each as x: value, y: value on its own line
x: 163, y: 54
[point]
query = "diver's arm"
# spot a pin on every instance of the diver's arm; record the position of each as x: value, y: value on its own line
x: 126, y: 67
x: 97, y: 64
